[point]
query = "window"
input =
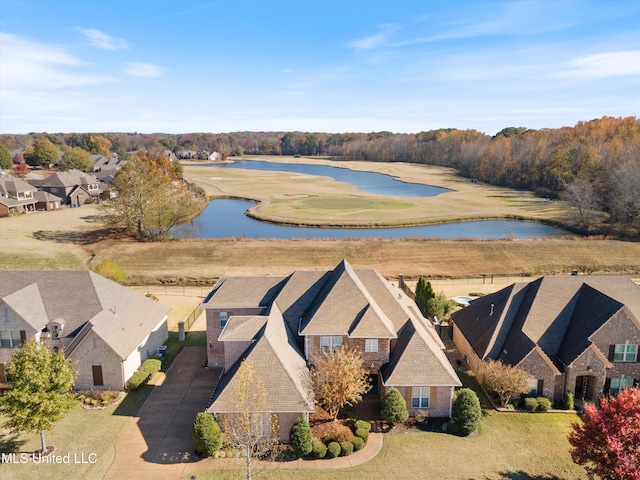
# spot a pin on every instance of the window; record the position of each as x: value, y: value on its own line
x: 533, y: 386
x: 330, y: 344
x: 420, y: 397
x: 625, y: 352
x: 11, y: 338
x: 223, y: 319
x: 371, y: 345
x: 618, y: 384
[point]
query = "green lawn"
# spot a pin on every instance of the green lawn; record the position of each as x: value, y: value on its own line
x: 516, y: 446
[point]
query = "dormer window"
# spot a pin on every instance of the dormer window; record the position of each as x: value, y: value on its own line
x: 55, y: 328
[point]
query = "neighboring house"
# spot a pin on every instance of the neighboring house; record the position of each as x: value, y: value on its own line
x: 186, y: 154
x: 215, y: 156
x: 47, y: 201
x: 571, y: 333
x: 102, y: 163
x: 297, y: 316
x: 73, y: 186
x: 16, y: 196
x: 105, y: 329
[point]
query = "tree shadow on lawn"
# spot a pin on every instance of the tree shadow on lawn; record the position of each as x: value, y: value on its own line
x: 520, y: 475
x: 80, y: 238
x: 10, y: 443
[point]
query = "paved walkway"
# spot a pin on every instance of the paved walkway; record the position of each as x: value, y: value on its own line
x: 157, y: 445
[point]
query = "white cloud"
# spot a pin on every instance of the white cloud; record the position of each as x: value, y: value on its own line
x: 103, y: 41
x: 602, y: 65
x: 28, y: 64
x: 376, y: 40
x: 138, y: 69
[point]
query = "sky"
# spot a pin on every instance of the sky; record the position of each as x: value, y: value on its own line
x: 161, y: 66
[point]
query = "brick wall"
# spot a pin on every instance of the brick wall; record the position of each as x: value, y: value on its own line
x: 439, y: 400
x: 215, y: 348
x: 94, y: 351
x: 378, y: 358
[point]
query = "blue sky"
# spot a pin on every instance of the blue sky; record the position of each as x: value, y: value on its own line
x: 332, y: 65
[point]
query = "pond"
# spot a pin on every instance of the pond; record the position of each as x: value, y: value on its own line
x: 226, y: 218
x: 371, y: 182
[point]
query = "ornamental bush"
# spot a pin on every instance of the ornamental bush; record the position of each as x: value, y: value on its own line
x: 544, y: 404
x: 531, y: 404
x: 466, y: 413
x: 358, y: 443
x: 318, y: 449
x: 363, y: 433
x: 144, y: 373
x: 346, y: 448
x: 333, y: 450
x: 337, y: 432
x: 394, y: 408
x: 206, y: 434
x: 362, y: 424
x: 568, y: 401
x: 300, y: 437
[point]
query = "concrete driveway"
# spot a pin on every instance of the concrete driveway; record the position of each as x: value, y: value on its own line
x: 157, y: 445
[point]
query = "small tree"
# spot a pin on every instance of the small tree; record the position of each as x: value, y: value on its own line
x: 251, y: 428
x: 465, y: 412
x: 39, y: 394
x: 424, y: 292
x: 300, y: 437
x: 112, y: 271
x: 394, y: 408
x: 6, y: 162
x: 607, y: 444
x: 504, y: 380
x: 206, y: 434
x: 340, y: 379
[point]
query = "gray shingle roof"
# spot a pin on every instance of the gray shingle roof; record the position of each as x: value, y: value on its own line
x: 249, y: 292
x: 120, y: 316
x: 280, y: 366
x: 556, y: 313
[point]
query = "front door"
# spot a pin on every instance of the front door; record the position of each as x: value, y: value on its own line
x: 585, y: 385
x: 373, y: 381
x: 97, y: 375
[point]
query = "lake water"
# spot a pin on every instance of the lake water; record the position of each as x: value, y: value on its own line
x: 371, y: 182
x: 226, y: 218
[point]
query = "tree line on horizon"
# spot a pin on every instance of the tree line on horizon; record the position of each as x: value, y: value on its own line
x: 595, y: 164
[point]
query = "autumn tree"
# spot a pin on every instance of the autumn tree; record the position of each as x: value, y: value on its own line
x: 503, y: 380
x: 251, y: 429
x: 607, y: 443
x: 75, y: 157
x: 6, y: 162
x: 340, y: 379
x: 39, y: 394
x: 42, y: 153
x: 20, y: 170
x: 150, y: 200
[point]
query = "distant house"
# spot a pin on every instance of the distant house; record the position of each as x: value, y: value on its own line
x: 16, y: 196
x: 102, y: 163
x: 186, y: 154
x: 571, y: 333
x: 282, y: 323
x: 73, y: 186
x: 105, y: 329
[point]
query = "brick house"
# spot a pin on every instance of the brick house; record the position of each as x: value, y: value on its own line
x: 105, y: 329
x: 73, y: 186
x: 16, y: 196
x: 323, y: 311
x: 571, y: 333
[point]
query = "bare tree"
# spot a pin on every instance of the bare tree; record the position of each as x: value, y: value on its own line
x: 580, y: 193
x: 252, y: 429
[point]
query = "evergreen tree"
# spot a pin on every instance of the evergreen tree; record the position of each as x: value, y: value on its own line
x: 394, y: 408
x: 300, y: 437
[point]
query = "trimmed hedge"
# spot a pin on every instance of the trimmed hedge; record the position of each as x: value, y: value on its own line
x: 362, y: 424
x: 318, y: 449
x: 144, y: 373
x: 346, y: 448
x: 358, y: 443
x: 300, y: 437
x: 568, y: 401
x: 333, y: 450
x: 206, y: 434
x: 537, y: 404
x: 363, y: 433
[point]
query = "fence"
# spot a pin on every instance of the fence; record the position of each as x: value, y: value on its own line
x: 193, y: 316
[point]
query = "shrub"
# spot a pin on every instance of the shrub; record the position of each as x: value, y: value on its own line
x: 358, y: 443
x: 346, y: 448
x: 362, y: 433
x: 337, y: 432
x: 206, y: 434
x: 300, y: 437
x: 544, y: 404
x: 568, y: 401
x: 318, y: 449
x: 112, y: 271
x: 394, y: 408
x: 146, y: 370
x: 531, y: 404
x: 362, y: 424
x: 466, y: 412
x: 333, y: 450
x: 422, y: 417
